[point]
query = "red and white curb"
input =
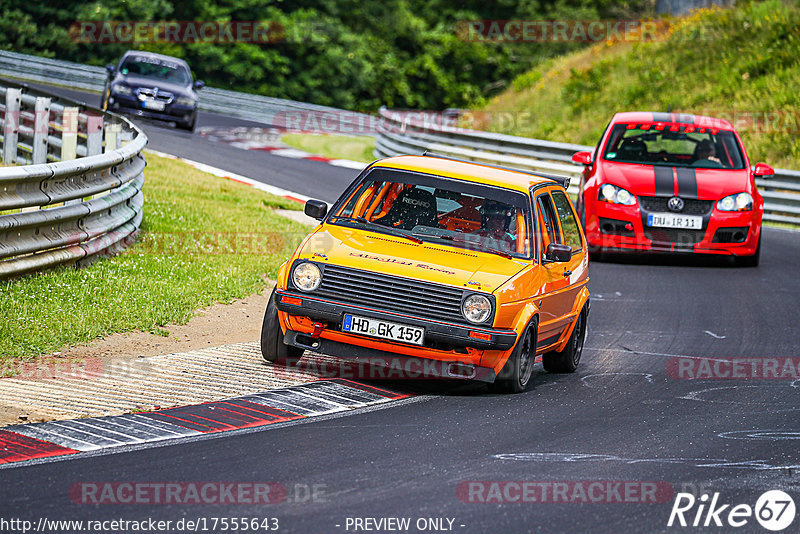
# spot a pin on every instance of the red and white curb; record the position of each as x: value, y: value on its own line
x: 63, y: 438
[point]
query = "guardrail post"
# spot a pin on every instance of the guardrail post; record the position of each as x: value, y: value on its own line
x: 112, y: 136
x: 69, y: 134
x: 11, y: 126
x: 94, y: 135
x: 41, y: 123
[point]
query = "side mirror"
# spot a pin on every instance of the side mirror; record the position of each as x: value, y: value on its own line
x: 316, y: 209
x: 558, y: 252
x: 762, y: 169
x: 199, y: 84
x: 582, y: 158
x: 111, y: 70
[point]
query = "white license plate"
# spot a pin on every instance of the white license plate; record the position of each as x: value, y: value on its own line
x: 671, y: 220
x: 383, y: 329
x: 153, y: 104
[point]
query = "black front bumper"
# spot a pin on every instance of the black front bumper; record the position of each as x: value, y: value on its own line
x: 172, y: 112
x: 447, y: 334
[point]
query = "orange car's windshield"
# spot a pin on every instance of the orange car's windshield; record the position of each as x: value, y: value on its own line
x: 428, y: 208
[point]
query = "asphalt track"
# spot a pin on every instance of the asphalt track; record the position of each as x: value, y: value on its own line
x: 624, y: 416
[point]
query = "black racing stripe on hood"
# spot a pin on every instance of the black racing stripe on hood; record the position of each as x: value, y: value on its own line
x: 665, y: 183
x: 687, y: 182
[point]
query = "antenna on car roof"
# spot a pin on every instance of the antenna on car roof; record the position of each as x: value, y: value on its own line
x: 669, y: 108
x: 563, y: 180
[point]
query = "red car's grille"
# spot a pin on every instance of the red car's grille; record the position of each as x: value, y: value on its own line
x: 691, y: 206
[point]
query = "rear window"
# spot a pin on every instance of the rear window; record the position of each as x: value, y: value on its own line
x: 674, y: 145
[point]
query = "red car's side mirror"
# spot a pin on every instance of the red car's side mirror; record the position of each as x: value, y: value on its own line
x: 762, y: 169
x: 582, y: 158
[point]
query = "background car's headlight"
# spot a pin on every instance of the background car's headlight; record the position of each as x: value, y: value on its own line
x: 737, y: 202
x: 306, y: 277
x: 185, y: 101
x: 120, y: 89
x: 615, y: 195
x: 476, y: 308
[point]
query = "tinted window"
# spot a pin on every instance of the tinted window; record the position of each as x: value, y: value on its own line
x: 569, y: 226
x: 674, y: 145
x: 157, y: 69
x: 548, y: 216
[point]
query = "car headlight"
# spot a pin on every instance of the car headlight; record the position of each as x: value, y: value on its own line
x: 476, y: 308
x: 120, y: 89
x: 185, y: 101
x: 737, y: 202
x: 615, y: 195
x: 306, y: 276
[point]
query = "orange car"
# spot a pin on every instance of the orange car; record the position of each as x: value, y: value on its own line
x: 471, y: 270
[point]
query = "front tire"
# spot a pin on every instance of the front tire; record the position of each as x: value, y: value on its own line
x: 516, y: 373
x: 567, y: 360
x: 273, y: 349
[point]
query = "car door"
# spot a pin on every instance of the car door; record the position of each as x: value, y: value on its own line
x: 561, y: 280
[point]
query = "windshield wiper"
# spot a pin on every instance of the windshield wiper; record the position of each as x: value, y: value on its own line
x: 483, y: 247
x: 391, y: 229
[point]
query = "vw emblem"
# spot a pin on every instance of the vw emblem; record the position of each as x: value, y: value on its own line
x: 675, y: 204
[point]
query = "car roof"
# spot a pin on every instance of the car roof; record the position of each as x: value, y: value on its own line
x: 701, y: 121
x: 142, y: 53
x: 467, y: 171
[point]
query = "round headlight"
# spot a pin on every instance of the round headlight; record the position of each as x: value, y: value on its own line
x: 476, y: 308
x: 623, y: 197
x: 306, y: 277
x: 726, y: 204
x: 609, y: 192
x: 743, y: 201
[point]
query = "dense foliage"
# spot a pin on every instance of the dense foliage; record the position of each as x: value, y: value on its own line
x: 352, y: 54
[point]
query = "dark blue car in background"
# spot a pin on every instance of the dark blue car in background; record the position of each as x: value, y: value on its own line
x: 153, y: 86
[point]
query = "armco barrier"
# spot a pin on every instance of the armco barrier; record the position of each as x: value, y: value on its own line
x: 404, y: 133
x: 70, y: 184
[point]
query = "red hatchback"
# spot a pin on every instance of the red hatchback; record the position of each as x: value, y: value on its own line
x: 671, y: 182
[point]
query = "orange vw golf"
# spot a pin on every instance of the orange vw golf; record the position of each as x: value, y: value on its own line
x: 469, y: 271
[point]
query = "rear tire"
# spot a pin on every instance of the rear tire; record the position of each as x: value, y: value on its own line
x: 750, y: 261
x: 516, y: 373
x: 567, y: 360
x: 273, y: 349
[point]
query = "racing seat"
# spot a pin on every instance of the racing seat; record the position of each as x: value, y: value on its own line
x: 632, y: 150
x: 412, y: 207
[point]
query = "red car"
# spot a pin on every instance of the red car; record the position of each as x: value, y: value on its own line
x: 671, y: 182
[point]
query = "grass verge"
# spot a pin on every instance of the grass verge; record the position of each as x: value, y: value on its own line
x: 203, y: 240
x: 356, y: 148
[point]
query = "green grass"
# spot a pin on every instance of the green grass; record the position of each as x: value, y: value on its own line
x: 739, y: 63
x: 356, y: 148
x: 203, y: 240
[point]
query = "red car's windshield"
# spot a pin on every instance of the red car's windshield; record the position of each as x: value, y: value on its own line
x: 674, y: 145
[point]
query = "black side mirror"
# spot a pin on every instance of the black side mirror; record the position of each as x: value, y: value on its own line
x: 316, y: 209
x: 199, y: 84
x: 558, y: 252
x: 110, y: 70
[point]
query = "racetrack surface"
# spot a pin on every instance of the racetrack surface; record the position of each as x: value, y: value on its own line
x: 624, y: 416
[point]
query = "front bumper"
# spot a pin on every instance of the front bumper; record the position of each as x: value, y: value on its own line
x: 440, y: 336
x: 132, y: 106
x: 623, y: 228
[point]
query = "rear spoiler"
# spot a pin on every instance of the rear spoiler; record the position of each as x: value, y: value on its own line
x: 563, y: 180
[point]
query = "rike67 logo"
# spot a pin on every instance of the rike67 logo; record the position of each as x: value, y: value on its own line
x: 774, y: 510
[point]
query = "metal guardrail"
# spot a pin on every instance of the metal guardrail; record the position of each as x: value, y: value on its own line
x: 78, y: 190
x: 402, y: 133
x: 231, y: 103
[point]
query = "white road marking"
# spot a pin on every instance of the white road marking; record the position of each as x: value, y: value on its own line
x: 647, y: 376
x: 712, y: 334
x: 772, y: 435
x: 758, y: 465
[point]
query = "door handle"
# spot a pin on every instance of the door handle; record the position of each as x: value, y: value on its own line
x: 567, y: 272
